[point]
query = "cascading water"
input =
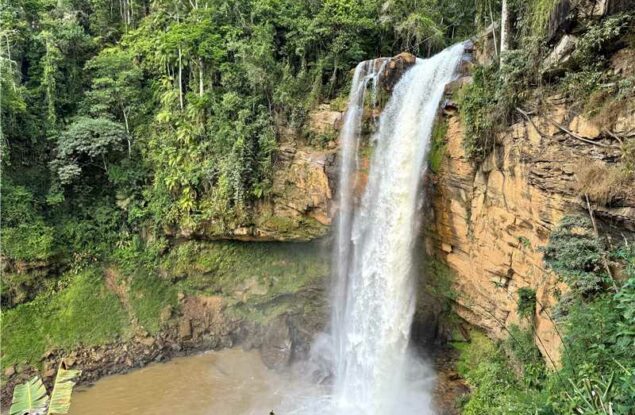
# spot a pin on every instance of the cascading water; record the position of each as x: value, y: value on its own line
x: 374, y: 294
x: 365, y: 72
x: 373, y: 297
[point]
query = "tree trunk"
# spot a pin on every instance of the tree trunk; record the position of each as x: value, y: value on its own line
x: 201, y: 70
x: 491, y: 18
x: 180, y: 77
x: 505, y: 27
x: 125, y: 119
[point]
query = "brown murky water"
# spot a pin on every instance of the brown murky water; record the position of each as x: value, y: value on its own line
x: 228, y: 382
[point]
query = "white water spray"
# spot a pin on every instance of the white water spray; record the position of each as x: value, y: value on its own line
x: 374, y: 298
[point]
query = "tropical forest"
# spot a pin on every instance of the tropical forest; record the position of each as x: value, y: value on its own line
x: 302, y: 207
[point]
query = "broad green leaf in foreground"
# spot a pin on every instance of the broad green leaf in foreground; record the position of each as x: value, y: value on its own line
x: 29, y: 398
x: 62, y: 390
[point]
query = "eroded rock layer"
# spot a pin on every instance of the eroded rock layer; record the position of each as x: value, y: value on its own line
x: 490, y: 221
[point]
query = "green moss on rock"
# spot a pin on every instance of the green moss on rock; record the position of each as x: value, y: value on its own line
x: 84, y: 312
x: 302, y: 228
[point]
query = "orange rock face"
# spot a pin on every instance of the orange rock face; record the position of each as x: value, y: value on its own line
x: 489, y: 221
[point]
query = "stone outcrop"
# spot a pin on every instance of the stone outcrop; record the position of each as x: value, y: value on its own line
x: 395, y: 68
x: 561, y: 54
x: 489, y: 221
x: 298, y: 207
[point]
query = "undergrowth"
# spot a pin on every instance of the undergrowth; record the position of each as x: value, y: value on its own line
x: 597, y: 323
x: 84, y: 312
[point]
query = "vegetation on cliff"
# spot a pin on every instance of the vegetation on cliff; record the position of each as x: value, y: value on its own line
x: 597, y: 325
x: 517, y: 81
x: 573, y: 59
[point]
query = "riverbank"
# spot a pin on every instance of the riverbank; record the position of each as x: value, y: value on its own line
x: 197, y: 296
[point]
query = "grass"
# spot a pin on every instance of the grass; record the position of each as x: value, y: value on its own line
x: 604, y: 184
x: 149, y: 296
x: 84, y: 312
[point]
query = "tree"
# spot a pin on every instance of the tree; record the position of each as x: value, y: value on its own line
x: 505, y: 27
x: 116, y: 89
x: 416, y: 24
x: 87, y: 142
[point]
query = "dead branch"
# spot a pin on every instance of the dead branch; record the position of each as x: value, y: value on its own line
x: 576, y: 136
x: 526, y: 115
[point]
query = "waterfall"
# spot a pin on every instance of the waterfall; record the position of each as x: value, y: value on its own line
x: 365, y: 72
x: 374, y: 293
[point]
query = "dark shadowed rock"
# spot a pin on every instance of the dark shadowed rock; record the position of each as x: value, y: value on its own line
x: 276, y: 349
x: 395, y: 68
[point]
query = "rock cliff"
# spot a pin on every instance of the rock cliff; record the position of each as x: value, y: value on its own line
x: 489, y: 221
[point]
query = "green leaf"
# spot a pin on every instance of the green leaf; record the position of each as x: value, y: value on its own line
x: 29, y: 398
x: 62, y: 390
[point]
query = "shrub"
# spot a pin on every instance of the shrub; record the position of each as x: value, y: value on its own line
x: 476, y: 103
x: 34, y: 241
x: 599, y: 38
x: 25, y: 235
x: 526, y: 302
x: 576, y: 255
x: 495, y: 386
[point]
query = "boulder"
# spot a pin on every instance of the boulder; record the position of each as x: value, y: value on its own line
x: 584, y: 127
x: 395, y: 68
x: 625, y: 123
x: 277, y: 346
x: 623, y: 62
x: 587, y: 9
x: 324, y: 120
x: 560, y: 56
x: 147, y: 341
x: 185, y: 329
x: 9, y: 371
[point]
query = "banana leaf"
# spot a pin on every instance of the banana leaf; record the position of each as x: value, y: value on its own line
x: 29, y: 398
x: 62, y: 390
